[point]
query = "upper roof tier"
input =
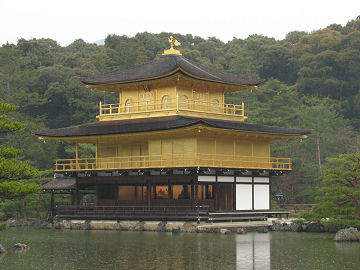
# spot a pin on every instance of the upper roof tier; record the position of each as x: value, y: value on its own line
x: 167, y: 65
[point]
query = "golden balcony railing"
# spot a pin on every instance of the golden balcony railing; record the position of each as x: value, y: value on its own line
x: 173, y: 161
x: 172, y: 105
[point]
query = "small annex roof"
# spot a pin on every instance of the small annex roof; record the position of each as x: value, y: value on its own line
x: 167, y: 65
x: 60, y: 183
x: 159, y: 124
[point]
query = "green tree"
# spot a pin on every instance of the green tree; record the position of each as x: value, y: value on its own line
x: 339, y: 206
x: 294, y: 36
x: 13, y: 171
x: 342, y: 187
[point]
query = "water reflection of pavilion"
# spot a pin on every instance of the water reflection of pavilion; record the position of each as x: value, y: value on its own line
x: 253, y: 251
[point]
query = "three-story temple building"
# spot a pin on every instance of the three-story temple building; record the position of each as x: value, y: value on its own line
x: 171, y: 141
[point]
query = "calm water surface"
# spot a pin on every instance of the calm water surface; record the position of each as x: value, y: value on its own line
x: 55, y: 249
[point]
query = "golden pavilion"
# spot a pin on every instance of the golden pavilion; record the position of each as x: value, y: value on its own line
x: 171, y: 148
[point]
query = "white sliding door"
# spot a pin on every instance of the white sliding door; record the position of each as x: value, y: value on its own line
x: 261, y: 197
x: 244, y: 197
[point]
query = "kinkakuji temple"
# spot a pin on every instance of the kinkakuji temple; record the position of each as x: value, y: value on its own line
x: 171, y: 148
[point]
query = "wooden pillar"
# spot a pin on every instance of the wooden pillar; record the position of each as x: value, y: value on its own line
x: 77, y: 155
x: 156, y: 99
x: 97, y: 150
x: 117, y: 194
x: 148, y: 193
x: 138, y: 100
x: 170, y: 194
x: 252, y: 193
x: 168, y: 198
x: 196, y: 191
x: 192, y: 103
x: 216, y: 197
x: 234, y: 194
x: 97, y: 194
x: 223, y: 100
x: 52, y: 209
x: 177, y: 102
x: 192, y: 192
x: 270, y: 192
x: 77, y: 193
x: 72, y: 197
x: 97, y: 164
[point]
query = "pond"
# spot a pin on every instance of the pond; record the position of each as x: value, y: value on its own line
x: 70, y: 249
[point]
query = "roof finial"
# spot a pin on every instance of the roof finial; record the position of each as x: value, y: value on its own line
x: 173, y: 41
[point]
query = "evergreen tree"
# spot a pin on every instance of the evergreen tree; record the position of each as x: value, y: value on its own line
x: 13, y: 171
x: 341, y: 189
x: 339, y: 203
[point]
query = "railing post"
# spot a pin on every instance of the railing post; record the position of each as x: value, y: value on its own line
x: 100, y: 104
x: 242, y: 109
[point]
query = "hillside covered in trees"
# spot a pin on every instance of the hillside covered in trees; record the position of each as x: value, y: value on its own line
x: 312, y: 81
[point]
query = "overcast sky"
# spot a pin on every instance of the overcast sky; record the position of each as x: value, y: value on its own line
x: 67, y: 20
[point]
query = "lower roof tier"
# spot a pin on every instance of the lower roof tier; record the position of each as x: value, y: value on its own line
x: 156, y: 124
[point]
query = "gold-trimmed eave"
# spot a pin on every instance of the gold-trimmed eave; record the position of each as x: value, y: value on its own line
x: 197, y: 130
x: 173, y: 75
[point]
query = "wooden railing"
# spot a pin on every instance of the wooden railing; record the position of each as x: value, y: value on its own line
x: 172, y: 104
x: 132, y: 212
x: 173, y: 161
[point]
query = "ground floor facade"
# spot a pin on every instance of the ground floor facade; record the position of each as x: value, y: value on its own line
x: 219, y: 193
x: 157, y: 192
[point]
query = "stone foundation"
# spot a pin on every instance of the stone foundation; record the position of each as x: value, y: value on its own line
x: 152, y: 226
x: 161, y: 226
x: 158, y: 226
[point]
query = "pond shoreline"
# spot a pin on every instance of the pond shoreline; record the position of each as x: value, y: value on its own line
x: 279, y: 225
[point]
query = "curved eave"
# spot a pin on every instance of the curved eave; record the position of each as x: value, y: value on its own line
x: 194, y: 127
x: 163, y: 76
x: 167, y: 75
x: 221, y: 82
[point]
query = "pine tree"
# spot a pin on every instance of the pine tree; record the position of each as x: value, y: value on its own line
x: 12, y: 171
x: 342, y: 188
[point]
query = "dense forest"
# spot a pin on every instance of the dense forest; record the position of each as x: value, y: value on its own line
x: 312, y: 81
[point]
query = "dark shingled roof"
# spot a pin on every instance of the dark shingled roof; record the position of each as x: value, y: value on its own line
x: 167, y: 65
x: 161, y: 123
x: 60, y: 183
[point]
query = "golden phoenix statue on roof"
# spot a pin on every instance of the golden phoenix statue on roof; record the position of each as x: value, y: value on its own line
x: 173, y: 41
